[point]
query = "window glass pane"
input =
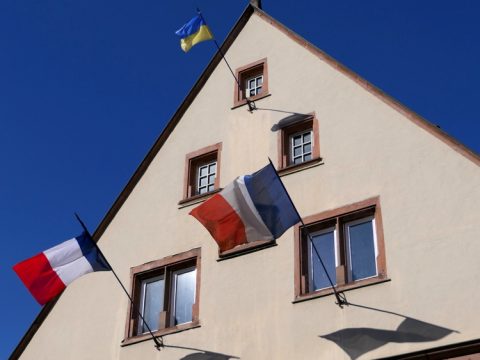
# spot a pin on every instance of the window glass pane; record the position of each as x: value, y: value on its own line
x: 251, y: 83
x: 184, y: 296
x: 297, y: 160
x: 152, y: 300
x: 260, y: 80
x: 202, y: 190
x: 259, y: 90
x: 203, y: 171
x: 325, y: 245
x: 307, y: 148
x: 307, y: 157
x: 362, y: 250
x: 212, y: 168
x: 297, y: 140
x: 211, y: 187
x: 211, y: 179
x: 307, y: 137
x: 203, y: 181
x: 297, y: 151
x: 252, y: 92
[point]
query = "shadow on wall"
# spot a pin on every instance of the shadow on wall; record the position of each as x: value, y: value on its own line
x: 201, y: 354
x: 207, y: 355
x: 358, y: 341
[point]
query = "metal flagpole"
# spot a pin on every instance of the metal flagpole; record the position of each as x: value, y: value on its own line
x: 250, y: 103
x: 158, y: 344
x: 341, y: 300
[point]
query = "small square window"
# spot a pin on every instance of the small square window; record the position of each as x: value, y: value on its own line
x: 349, y: 241
x: 253, y: 79
x: 166, y: 293
x: 202, y: 171
x: 299, y: 142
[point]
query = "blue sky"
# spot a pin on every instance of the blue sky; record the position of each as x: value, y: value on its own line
x: 87, y: 86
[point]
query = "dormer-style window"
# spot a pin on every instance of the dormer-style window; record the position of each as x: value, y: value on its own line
x: 253, y: 79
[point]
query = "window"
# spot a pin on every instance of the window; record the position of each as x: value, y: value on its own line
x: 298, y: 141
x: 205, y: 176
x: 349, y: 241
x: 202, y: 171
x: 253, y: 79
x: 253, y: 85
x: 166, y: 293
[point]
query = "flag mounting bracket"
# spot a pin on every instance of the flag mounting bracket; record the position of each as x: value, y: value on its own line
x: 251, y: 105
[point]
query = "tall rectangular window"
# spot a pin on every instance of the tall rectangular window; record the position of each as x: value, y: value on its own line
x: 322, y: 242
x: 166, y: 293
x: 348, y: 240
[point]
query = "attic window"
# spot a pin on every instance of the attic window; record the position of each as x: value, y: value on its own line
x: 298, y: 141
x: 253, y: 79
x: 202, y: 172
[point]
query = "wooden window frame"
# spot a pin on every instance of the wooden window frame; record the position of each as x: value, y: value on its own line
x: 284, y: 149
x: 165, y: 266
x: 192, y: 161
x: 248, y: 71
x: 338, y: 218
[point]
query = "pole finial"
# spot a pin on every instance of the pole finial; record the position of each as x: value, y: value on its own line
x: 256, y: 3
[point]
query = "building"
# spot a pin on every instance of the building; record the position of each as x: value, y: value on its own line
x: 390, y: 200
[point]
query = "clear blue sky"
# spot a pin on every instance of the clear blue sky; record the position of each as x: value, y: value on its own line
x: 86, y: 86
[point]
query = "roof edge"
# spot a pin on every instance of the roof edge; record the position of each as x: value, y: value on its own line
x: 392, y: 102
x: 142, y: 168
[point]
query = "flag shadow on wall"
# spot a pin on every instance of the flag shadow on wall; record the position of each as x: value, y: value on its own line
x: 359, y: 341
x: 201, y: 354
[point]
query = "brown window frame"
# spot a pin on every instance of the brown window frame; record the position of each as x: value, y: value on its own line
x: 337, y: 218
x: 248, y: 71
x: 154, y: 268
x: 284, y: 150
x: 192, y: 161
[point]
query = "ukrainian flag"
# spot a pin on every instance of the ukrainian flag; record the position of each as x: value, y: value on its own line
x: 193, y: 32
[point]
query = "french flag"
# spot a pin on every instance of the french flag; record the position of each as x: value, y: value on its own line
x: 252, y: 208
x: 48, y: 273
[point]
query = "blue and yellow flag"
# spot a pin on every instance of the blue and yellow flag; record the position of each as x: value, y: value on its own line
x: 193, y: 32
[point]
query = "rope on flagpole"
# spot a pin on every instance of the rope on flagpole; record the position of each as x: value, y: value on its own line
x: 158, y: 342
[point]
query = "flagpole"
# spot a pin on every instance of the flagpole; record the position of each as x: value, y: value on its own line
x: 250, y: 103
x: 158, y: 344
x: 341, y: 299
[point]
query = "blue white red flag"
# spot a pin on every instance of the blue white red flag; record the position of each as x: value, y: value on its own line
x: 252, y: 208
x: 48, y: 273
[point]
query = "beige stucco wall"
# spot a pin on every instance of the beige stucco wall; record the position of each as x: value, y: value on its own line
x: 429, y: 194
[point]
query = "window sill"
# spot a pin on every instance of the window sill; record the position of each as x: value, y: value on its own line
x: 346, y: 287
x: 299, y: 167
x: 162, y: 332
x: 192, y: 200
x: 246, y: 249
x: 243, y: 102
